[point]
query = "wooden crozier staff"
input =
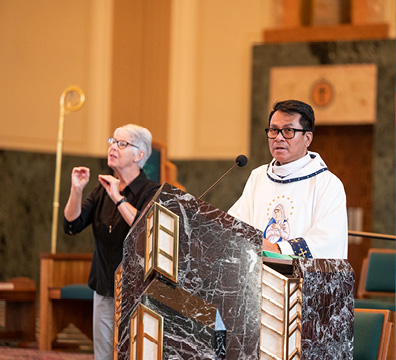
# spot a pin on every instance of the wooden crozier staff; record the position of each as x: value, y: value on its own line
x: 72, y: 99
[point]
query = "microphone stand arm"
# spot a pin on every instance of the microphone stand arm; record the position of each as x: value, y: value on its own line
x: 224, y: 175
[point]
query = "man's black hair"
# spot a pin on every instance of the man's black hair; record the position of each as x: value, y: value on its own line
x: 307, y: 119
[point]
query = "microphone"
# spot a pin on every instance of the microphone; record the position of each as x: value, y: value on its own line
x: 241, y: 160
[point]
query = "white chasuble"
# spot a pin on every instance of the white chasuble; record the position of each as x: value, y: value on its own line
x: 304, y: 212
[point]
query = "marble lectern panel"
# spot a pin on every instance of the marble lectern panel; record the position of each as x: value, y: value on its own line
x: 327, y: 308
x: 219, y: 262
x: 192, y: 327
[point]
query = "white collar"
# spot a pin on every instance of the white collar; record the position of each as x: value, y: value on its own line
x: 290, y: 168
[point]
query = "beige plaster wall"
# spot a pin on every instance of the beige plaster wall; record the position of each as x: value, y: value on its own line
x: 209, y: 111
x: 203, y: 102
x: 46, y: 46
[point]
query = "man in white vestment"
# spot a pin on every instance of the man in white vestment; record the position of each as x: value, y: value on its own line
x: 295, y: 200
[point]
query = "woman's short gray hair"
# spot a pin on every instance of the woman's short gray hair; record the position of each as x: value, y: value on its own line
x: 141, y: 137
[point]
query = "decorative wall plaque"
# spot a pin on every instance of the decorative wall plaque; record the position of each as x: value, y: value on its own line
x: 340, y: 94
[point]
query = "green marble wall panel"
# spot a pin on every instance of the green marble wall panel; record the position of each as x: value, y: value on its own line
x: 26, y: 193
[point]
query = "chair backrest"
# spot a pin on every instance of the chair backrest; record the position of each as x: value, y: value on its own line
x: 158, y: 168
x: 56, y: 272
x: 372, y: 331
x: 377, y: 277
x: 154, y: 167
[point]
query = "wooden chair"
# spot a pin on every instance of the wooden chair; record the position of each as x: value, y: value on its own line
x: 372, y: 333
x: 61, y: 305
x: 159, y: 168
x: 20, y: 312
x: 376, y: 288
x: 377, y: 278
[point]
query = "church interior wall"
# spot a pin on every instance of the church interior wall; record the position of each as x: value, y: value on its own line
x: 28, y: 171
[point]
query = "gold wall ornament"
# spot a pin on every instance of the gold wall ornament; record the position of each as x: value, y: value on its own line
x: 162, y: 243
x: 146, y: 334
x: 322, y: 92
x: 72, y: 99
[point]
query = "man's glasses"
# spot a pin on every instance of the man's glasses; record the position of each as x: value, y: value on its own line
x: 287, y: 133
x: 122, y: 144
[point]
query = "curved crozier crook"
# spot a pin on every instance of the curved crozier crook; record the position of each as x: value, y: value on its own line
x: 72, y: 99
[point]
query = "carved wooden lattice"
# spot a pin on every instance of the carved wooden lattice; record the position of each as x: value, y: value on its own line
x: 280, y: 324
x: 117, y: 307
